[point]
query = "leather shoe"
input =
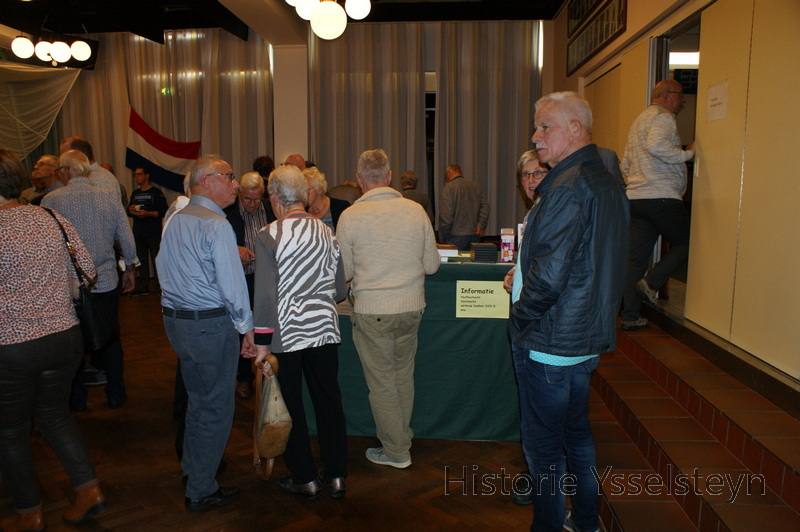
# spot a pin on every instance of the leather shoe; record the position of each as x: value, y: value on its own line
x: 334, y: 484
x: 31, y: 522
x: 221, y: 497
x: 309, y: 490
x: 88, y: 502
x: 244, y: 389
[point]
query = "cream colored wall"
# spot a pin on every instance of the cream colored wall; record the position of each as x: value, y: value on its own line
x: 290, y: 105
x: 745, y: 245
x: 603, y: 96
x: 718, y: 168
x: 767, y: 294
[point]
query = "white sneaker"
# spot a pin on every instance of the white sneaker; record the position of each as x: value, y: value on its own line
x: 648, y: 292
x: 376, y: 455
x: 569, y: 526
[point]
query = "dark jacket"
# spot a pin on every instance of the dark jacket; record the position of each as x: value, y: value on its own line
x: 236, y: 221
x: 573, y: 259
x: 337, y: 208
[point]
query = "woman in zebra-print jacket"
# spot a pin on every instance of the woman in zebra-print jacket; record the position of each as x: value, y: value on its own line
x: 298, y: 280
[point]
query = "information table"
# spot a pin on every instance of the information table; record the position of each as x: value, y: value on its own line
x: 464, y: 376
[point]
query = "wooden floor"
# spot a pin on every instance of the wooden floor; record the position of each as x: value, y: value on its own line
x: 133, y: 452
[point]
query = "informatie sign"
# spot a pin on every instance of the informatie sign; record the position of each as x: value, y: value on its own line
x: 481, y: 299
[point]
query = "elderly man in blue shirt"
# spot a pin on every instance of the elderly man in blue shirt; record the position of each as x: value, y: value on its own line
x: 206, y: 307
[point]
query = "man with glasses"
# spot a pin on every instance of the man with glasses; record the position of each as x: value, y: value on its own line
x: 43, y: 178
x: 247, y: 216
x: 147, y: 207
x: 205, y: 306
x: 655, y: 165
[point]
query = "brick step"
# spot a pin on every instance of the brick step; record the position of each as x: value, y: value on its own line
x: 699, y: 432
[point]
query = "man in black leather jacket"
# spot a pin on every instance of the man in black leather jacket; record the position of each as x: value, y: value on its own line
x: 571, y: 271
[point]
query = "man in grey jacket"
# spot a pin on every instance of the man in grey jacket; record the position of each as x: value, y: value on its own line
x: 463, y: 210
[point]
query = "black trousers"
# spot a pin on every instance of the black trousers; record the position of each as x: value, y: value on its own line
x: 319, y: 366
x: 35, y: 380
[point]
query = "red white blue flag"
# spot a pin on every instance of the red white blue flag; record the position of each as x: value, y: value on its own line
x: 169, y: 160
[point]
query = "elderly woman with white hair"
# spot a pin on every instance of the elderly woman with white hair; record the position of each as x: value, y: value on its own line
x: 299, y: 279
x: 321, y: 206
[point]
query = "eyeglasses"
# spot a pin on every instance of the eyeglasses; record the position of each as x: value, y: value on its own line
x: 140, y: 173
x: 537, y: 174
x: 251, y: 200
x: 230, y: 176
x: 38, y: 164
x: 675, y: 92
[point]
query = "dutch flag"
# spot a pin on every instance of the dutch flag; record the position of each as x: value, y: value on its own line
x: 169, y: 160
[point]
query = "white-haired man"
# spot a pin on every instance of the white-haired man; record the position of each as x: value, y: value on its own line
x: 566, y: 288
x: 655, y: 165
x: 98, y: 216
x: 388, y: 247
x: 247, y: 216
x: 205, y: 307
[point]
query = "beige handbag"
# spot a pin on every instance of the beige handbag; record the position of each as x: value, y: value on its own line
x: 272, y: 425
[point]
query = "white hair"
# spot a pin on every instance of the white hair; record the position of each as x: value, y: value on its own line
x: 571, y: 106
x: 287, y: 184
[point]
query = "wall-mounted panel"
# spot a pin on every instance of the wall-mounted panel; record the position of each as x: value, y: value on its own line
x: 725, y: 34
x: 767, y: 296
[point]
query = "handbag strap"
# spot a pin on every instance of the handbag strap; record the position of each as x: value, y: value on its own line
x: 82, y: 276
x: 256, y: 456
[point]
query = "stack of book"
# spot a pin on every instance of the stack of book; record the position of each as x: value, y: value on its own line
x: 483, y: 253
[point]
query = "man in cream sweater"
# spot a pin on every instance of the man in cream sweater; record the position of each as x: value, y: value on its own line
x: 388, y: 246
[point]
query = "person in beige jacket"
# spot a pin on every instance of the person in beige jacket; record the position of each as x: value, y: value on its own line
x: 388, y: 246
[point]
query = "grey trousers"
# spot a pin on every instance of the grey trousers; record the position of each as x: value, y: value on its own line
x: 208, y: 350
x: 387, y: 346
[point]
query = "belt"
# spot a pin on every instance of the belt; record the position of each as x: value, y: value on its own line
x: 193, y: 314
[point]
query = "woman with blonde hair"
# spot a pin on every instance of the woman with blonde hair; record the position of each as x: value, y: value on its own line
x: 321, y: 206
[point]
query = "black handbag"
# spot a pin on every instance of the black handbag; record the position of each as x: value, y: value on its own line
x: 99, y: 331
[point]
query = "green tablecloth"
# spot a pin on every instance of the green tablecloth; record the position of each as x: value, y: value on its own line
x: 464, y: 377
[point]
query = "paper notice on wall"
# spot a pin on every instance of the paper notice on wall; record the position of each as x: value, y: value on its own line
x: 481, y: 299
x: 717, y: 106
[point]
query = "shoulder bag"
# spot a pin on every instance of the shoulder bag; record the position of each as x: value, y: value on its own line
x: 97, y: 328
x: 272, y: 424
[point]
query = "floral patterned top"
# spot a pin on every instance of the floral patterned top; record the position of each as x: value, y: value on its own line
x: 37, y: 274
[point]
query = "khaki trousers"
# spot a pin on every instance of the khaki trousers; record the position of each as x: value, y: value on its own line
x: 387, y: 345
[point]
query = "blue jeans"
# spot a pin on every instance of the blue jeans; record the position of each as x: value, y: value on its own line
x: 208, y: 350
x: 649, y: 219
x: 554, y: 402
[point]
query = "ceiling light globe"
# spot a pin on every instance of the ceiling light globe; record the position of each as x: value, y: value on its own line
x: 357, y: 9
x: 22, y: 47
x: 42, y: 50
x: 328, y: 20
x: 60, y: 52
x: 294, y: 3
x: 81, y: 50
x: 306, y: 8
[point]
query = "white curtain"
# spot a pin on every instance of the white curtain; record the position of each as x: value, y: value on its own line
x: 488, y: 81
x: 30, y: 98
x: 205, y: 85
x: 367, y: 90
